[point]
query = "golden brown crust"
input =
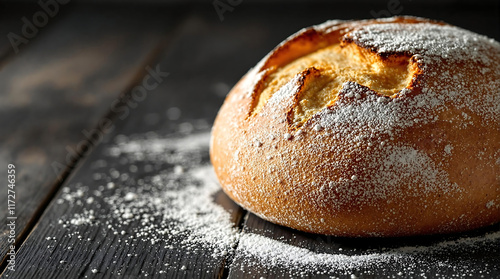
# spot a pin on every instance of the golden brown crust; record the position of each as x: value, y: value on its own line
x: 423, y: 160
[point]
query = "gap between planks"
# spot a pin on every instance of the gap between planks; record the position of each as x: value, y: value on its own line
x: 227, y: 262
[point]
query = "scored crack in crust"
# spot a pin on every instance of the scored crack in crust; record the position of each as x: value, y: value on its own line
x: 325, y: 71
x: 384, y: 127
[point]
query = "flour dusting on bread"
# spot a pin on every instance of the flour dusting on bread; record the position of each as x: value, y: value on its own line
x: 408, y: 107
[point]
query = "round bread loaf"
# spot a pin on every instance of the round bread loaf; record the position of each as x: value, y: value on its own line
x: 386, y: 127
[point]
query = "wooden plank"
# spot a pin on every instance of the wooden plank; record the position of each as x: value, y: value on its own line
x: 55, y: 91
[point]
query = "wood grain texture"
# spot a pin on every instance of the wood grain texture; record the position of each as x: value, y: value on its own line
x: 54, y: 93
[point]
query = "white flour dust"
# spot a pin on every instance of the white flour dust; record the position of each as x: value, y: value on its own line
x: 166, y: 197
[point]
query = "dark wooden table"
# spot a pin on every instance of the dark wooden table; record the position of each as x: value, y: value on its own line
x: 67, y: 98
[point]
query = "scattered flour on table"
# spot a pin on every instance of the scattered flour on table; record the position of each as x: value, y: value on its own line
x: 175, y: 202
x: 173, y: 205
